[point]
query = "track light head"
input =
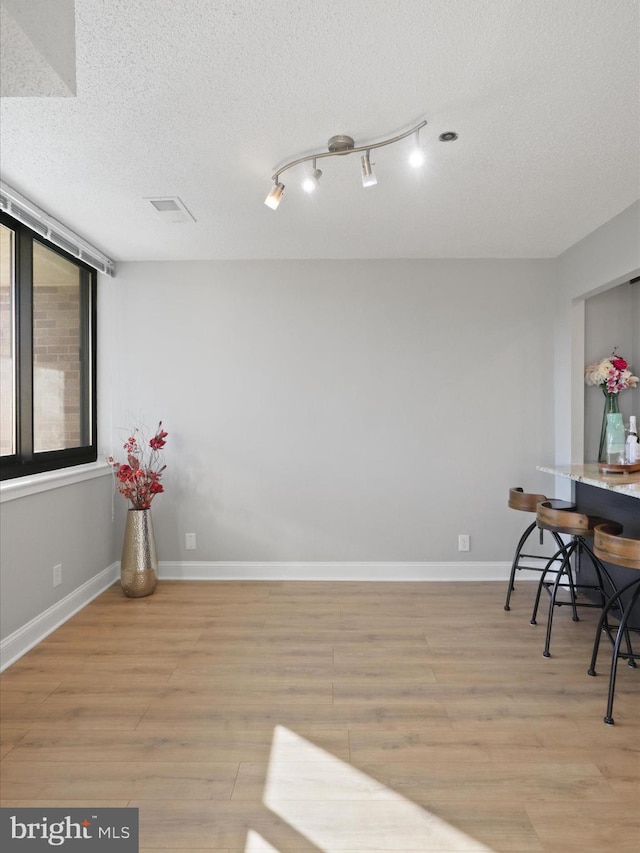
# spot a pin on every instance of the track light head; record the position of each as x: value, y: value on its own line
x: 310, y: 183
x: 275, y: 195
x: 368, y: 177
x: 416, y: 158
x: 417, y: 155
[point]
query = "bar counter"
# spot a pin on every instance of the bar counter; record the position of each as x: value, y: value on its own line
x: 613, y: 496
x: 622, y: 484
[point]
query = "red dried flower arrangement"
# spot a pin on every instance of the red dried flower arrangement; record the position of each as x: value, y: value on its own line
x: 139, y: 478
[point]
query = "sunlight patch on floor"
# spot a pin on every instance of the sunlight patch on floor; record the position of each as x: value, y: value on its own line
x: 257, y: 844
x: 339, y: 808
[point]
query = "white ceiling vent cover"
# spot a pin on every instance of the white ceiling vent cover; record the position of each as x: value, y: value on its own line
x: 170, y: 209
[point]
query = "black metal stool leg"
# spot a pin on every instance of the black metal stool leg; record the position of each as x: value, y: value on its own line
x: 616, y: 651
x: 516, y: 558
x: 572, y: 591
x: 572, y: 588
x: 566, y: 566
x: 601, y: 572
x: 561, y: 545
x: 608, y: 604
x: 616, y: 597
x: 545, y: 571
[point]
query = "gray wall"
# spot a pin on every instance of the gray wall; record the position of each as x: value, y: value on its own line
x: 71, y: 526
x: 612, y: 319
x: 608, y: 257
x: 337, y: 410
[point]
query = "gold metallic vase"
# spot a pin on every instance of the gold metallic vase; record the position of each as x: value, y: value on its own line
x: 139, y: 565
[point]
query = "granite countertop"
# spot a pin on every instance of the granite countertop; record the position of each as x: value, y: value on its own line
x: 623, y: 484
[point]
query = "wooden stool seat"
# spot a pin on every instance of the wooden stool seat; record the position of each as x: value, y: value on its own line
x: 613, y: 548
x: 560, y: 518
x: 621, y: 551
x: 524, y: 501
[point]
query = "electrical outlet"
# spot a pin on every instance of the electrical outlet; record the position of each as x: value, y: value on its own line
x: 463, y: 542
x: 57, y: 575
x: 190, y: 541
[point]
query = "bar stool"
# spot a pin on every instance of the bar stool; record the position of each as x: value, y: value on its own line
x: 579, y: 526
x: 620, y: 551
x: 527, y: 502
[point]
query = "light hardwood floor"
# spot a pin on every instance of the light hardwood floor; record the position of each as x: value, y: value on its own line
x: 306, y: 717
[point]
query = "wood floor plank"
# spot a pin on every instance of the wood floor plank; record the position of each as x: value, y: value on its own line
x: 322, y: 716
x: 481, y: 781
x: 65, y: 803
x: 377, y: 747
x: 613, y: 764
x: 575, y: 826
x: 385, y: 690
x: 270, y: 652
x: 191, y: 850
x: 10, y: 737
x: 196, y: 668
x: 182, y: 746
x: 204, y: 690
x: 196, y: 780
x: 19, y: 698
x: 76, y: 715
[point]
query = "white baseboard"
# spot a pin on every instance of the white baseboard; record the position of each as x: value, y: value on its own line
x: 25, y: 638
x: 29, y: 635
x: 336, y: 571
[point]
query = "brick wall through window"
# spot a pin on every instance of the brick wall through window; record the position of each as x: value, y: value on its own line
x: 56, y: 352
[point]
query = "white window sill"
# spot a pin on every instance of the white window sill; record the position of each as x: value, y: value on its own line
x: 22, y: 487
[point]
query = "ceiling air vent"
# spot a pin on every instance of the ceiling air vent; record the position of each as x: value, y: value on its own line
x: 171, y: 209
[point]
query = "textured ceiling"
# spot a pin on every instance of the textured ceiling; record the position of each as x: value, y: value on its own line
x: 203, y: 100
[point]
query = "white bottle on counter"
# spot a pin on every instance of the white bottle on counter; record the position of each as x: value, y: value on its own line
x: 632, y: 448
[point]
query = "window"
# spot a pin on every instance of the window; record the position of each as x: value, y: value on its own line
x: 47, y: 355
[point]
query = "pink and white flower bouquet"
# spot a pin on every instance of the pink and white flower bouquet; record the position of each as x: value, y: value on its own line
x: 611, y: 374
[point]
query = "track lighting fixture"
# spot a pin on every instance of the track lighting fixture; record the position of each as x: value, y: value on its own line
x: 340, y: 145
x: 368, y: 177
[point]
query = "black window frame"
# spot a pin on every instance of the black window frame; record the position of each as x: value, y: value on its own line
x: 26, y: 461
